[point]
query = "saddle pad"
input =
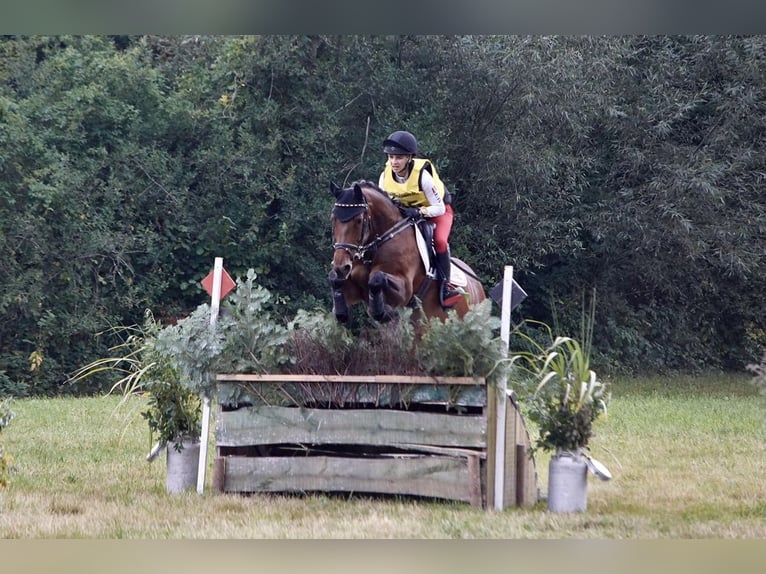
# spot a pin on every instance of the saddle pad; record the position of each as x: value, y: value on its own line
x: 424, y: 255
x: 457, y: 277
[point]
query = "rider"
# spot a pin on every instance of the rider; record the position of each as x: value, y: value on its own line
x: 415, y: 183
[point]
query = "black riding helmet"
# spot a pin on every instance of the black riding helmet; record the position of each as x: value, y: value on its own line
x: 400, y: 143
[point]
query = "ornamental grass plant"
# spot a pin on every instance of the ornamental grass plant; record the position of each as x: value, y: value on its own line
x: 560, y: 391
x: 172, y: 411
x: 562, y: 394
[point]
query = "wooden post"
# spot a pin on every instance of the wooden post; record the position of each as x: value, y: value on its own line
x: 500, y: 390
x: 215, y: 303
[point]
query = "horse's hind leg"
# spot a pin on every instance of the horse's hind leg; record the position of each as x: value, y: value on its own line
x: 377, y: 307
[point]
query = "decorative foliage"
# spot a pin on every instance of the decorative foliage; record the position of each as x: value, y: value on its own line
x: 253, y: 335
x: 192, y: 347
x: 148, y: 369
x: 315, y: 343
x: 318, y: 343
x: 462, y: 347
x: 173, y: 412
x: 456, y: 347
x: 563, y: 394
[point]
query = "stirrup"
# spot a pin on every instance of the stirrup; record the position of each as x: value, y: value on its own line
x: 450, y: 294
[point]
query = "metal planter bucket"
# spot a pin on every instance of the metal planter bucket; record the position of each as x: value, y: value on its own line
x: 567, y: 482
x: 183, y: 466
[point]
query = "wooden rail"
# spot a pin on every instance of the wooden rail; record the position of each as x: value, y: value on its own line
x: 352, y: 379
x: 413, y: 448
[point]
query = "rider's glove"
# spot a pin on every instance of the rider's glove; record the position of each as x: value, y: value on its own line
x: 412, y: 213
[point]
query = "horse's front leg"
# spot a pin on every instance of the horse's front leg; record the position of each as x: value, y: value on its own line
x: 347, y: 291
x: 339, y: 304
x: 384, y: 286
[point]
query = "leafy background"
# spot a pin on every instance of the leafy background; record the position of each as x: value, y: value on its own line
x: 628, y: 164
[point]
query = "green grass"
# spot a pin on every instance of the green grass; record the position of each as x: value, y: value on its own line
x: 686, y: 454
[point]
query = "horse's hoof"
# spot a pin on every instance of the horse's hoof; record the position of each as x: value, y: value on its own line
x: 342, y: 318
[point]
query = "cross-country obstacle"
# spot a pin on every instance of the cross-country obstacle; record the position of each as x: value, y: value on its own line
x: 437, y: 437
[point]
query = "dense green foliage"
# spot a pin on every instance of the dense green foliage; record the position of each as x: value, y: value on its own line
x: 629, y: 164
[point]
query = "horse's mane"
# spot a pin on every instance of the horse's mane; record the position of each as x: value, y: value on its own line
x: 364, y: 183
x: 369, y: 184
x: 349, y: 204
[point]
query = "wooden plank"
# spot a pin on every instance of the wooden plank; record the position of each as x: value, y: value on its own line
x: 260, y: 425
x: 474, y: 481
x: 521, y: 474
x: 373, y: 394
x: 511, y: 424
x: 432, y: 476
x: 490, y: 411
x: 449, y: 455
x: 530, y: 493
x: 351, y: 379
x: 448, y: 451
x: 219, y: 473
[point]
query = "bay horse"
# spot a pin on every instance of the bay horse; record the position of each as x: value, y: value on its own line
x: 377, y: 261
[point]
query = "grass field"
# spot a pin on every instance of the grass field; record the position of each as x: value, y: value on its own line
x: 687, y: 456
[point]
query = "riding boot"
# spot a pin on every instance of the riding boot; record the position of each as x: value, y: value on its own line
x: 449, y: 293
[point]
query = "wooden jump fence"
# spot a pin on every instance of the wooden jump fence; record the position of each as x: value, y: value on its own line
x: 405, y: 435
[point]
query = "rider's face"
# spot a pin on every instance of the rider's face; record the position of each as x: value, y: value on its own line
x: 399, y: 163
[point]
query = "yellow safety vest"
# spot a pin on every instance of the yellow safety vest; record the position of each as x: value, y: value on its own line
x: 410, y: 192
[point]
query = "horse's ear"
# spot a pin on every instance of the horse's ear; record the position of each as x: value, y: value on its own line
x: 335, y: 189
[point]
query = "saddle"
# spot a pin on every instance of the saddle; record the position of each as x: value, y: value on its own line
x: 424, y: 235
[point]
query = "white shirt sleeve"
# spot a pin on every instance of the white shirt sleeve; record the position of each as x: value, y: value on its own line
x: 436, y: 205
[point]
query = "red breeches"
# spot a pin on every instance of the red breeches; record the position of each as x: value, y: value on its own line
x: 442, y: 230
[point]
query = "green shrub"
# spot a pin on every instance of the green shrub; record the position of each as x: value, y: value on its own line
x: 462, y: 347
x: 254, y: 336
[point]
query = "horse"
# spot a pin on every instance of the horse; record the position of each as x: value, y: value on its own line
x: 376, y: 260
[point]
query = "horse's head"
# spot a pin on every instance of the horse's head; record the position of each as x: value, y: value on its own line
x: 351, y: 229
x: 361, y: 215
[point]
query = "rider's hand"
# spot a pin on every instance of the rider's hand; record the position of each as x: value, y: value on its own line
x: 412, y: 213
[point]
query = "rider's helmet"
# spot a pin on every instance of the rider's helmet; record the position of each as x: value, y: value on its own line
x: 400, y: 143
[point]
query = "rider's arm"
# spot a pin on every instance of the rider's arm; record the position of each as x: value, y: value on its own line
x: 435, y: 206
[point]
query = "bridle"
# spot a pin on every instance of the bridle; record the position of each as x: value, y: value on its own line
x: 364, y: 250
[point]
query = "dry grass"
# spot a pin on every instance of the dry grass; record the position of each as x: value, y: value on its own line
x: 687, y: 463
